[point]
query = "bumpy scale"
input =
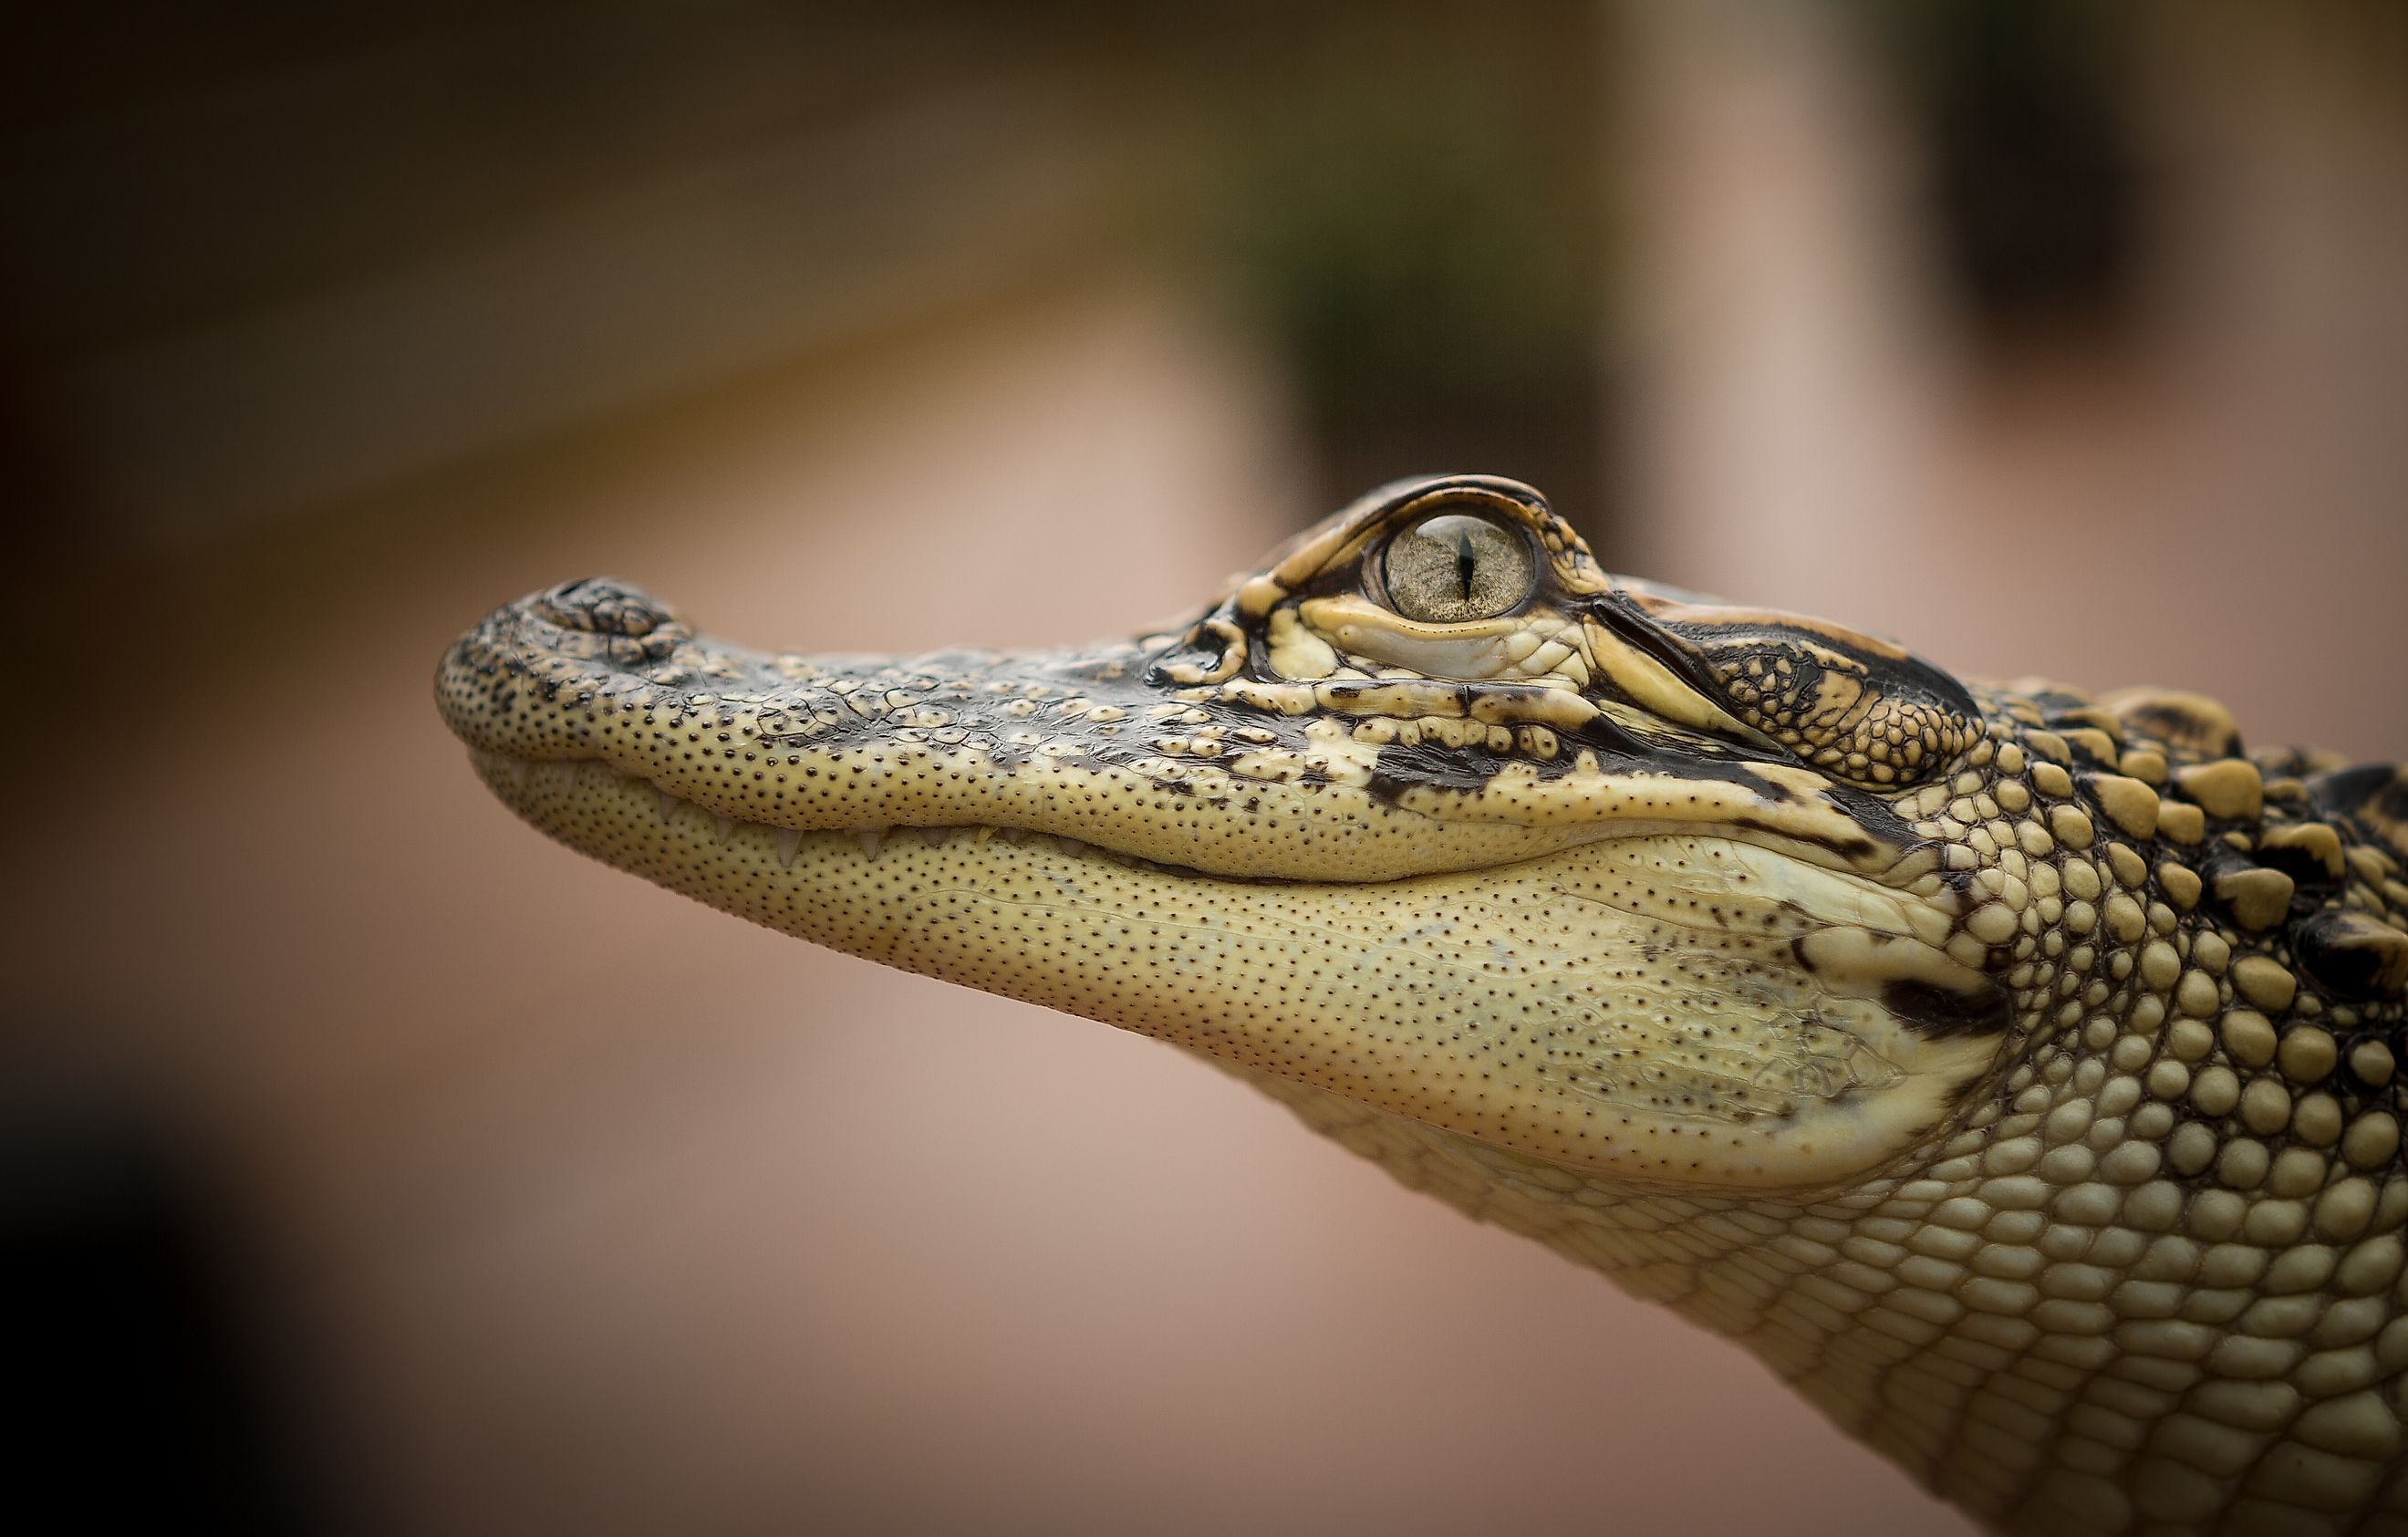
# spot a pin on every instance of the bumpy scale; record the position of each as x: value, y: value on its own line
x: 2015, y: 1072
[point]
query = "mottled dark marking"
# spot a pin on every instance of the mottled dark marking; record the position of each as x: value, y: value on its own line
x: 1403, y: 767
x: 2350, y: 792
x: 1878, y: 817
x: 2350, y: 955
x: 2371, y: 797
x: 2216, y: 860
x: 2168, y: 721
x: 1943, y: 1014
x: 2300, y: 864
x: 1938, y: 1013
x: 1846, y: 848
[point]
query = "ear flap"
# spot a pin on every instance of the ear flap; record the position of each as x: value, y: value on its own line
x: 1858, y: 709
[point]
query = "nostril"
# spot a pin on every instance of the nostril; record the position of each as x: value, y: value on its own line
x: 602, y: 605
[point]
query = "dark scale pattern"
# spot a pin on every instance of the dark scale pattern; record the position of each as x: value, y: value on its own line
x: 2017, y: 1072
x: 1834, y: 710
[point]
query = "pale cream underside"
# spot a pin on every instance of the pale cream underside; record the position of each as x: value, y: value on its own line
x: 1630, y: 1007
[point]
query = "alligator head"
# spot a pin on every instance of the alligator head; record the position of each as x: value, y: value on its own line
x: 1746, y: 958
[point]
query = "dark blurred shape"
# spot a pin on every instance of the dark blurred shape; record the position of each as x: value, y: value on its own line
x: 1412, y: 211
x: 282, y: 264
x: 143, y: 1395
x: 2035, y: 187
x: 269, y: 263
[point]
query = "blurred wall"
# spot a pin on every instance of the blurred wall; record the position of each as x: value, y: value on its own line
x: 2194, y: 477
x: 273, y: 257
x: 842, y: 1248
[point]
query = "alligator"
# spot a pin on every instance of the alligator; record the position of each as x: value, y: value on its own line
x: 2014, y: 1070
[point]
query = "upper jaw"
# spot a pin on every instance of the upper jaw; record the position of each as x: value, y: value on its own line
x: 1095, y: 745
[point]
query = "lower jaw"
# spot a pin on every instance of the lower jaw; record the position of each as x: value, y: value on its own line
x: 1502, y: 1004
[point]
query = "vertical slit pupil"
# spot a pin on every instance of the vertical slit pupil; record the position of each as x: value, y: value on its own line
x: 1465, y: 561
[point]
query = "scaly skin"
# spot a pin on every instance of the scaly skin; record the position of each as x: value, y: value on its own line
x: 2013, y: 1072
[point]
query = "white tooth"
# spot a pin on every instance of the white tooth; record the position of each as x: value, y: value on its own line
x: 870, y: 839
x: 723, y: 829
x: 668, y: 802
x: 517, y: 769
x: 789, y: 840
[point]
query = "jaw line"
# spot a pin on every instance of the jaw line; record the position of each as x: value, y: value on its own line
x: 506, y: 772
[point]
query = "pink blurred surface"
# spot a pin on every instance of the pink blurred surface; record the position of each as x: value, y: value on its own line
x: 2216, y: 504
x: 613, y: 1215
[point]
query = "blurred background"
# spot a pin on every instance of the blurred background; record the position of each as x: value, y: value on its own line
x: 367, y: 1163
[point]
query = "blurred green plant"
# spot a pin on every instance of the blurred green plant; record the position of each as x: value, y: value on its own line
x: 1408, y: 203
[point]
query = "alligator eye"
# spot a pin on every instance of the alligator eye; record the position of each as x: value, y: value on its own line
x: 1452, y: 568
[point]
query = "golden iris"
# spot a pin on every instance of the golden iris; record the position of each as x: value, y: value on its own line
x: 1452, y: 568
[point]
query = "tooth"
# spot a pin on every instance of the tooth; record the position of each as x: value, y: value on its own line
x: 870, y: 839
x: 789, y: 840
x: 517, y: 769
x: 724, y: 827
x: 668, y: 802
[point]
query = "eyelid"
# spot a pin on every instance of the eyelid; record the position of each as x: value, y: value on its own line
x: 1325, y: 614
x: 1474, y: 649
